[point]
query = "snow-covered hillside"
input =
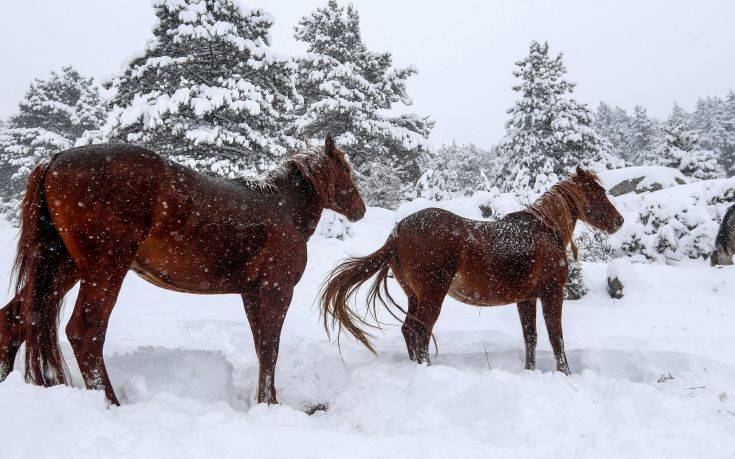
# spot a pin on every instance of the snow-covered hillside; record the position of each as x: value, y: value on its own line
x: 653, y: 376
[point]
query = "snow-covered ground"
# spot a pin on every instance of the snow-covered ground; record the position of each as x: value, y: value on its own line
x: 653, y: 376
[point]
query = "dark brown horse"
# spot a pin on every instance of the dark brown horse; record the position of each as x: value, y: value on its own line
x: 725, y: 240
x: 517, y: 259
x: 90, y: 214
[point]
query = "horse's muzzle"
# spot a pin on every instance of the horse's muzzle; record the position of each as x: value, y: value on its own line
x: 357, y: 214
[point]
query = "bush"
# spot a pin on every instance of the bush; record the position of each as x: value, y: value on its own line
x: 673, y: 224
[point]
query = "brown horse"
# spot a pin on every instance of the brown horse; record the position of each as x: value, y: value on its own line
x: 517, y: 259
x: 90, y: 214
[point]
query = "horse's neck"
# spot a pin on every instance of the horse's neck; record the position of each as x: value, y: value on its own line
x: 557, y: 212
x: 301, y: 200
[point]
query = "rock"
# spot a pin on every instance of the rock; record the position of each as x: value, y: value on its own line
x: 618, y: 276
x: 641, y: 179
x: 615, y: 287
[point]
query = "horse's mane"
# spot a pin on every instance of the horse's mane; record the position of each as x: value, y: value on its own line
x: 557, y: 208
x: 314, y: 164
x: 724, y: 235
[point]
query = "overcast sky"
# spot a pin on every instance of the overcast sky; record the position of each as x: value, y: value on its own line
x: 624, y: 52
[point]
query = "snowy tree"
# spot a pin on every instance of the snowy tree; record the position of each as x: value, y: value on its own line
x: 548, y: 132
x: 613, y: 124
x: 575, y: 288
x: 348, y: 91
x: 453, y: 171
x: 679, y: 148
x: 53, y: 115
x: 678, y: 131
x: 642, y: 137
x: 387, y: 184
x: 207, y: 90
x: 699, y: 164
x: 714, y: 121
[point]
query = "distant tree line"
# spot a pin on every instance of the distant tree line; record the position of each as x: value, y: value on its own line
x: 701, y: 144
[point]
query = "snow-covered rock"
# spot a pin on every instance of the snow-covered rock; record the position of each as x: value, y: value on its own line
x: 640, y: 179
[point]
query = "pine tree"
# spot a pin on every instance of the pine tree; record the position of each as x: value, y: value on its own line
x: 548, y: 132
x: 642, y: 137
x: 613, y: 125
x: 727, y: 157
x: 208, y: 90
x: 347, y: 89
x: 454, y: 171
x: 713, y: 120
x: 388, y: 183
x: 54, y: 114
x: 678, y: 131
x: 575, y: 288
x: 679, y: 149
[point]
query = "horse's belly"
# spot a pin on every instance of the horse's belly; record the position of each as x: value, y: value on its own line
x: 485, y: 293
x: 179, y: 269
x: 177, y: 282
x: 158, y: 280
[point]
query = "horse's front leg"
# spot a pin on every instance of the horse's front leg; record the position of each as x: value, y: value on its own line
x: 551, y: 304
x: 527, y: 313
x: 273, y: 302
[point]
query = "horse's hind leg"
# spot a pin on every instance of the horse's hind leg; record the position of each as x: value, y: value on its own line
x: 426, y: 316
x: 552, y: 307
x: 527, y: 312
x: 409, y: 329
x: 11, y: 335
x: 409, y: 334
x: 11, y: 321
x: 87, y: 328
x: 426, y: 286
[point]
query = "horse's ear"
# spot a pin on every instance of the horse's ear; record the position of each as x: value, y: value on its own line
x: 581, y: 173
x: 329, y: 145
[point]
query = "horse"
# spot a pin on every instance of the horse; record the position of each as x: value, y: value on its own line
x: 725, y: 240
x: 92, y: 213
x: 433, y: 253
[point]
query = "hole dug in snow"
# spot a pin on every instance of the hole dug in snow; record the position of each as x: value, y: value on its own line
x: 148, y: 371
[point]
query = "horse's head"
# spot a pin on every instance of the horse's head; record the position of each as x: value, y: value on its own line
x: 596, y: 209
x: 343, y: 197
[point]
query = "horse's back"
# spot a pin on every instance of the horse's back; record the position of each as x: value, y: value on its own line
x: 427, y: 226
x: 109, y: 178
x: 108, y: 154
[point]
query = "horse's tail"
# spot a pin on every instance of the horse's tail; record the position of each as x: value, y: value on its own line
x: 345, y: 280
x: 40, y: 254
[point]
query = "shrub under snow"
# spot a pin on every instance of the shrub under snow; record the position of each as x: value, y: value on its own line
x: 333, y: 225
x: 673, y: 224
